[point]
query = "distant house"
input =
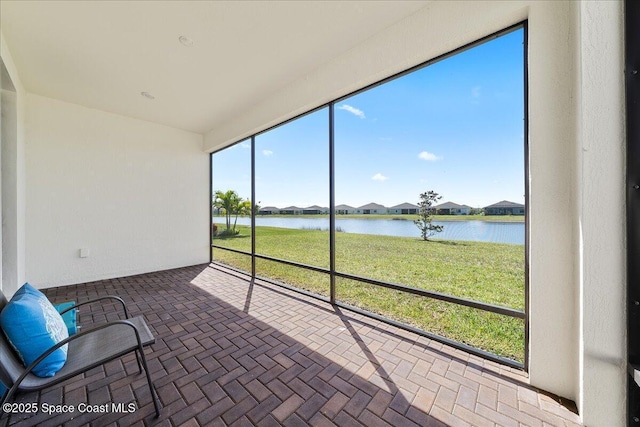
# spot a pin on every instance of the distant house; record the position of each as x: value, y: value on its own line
x: 269, y: 210
x: 345, y: 210
x: 291, y: 210
x: 450, y: 208
x: 403, y: 209
x: 465, y: 210
x: 504, y: 208
x: 314, y: 210
x: 371, y: 208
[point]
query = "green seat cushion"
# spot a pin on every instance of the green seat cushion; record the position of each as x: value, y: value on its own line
x: 70, y: 318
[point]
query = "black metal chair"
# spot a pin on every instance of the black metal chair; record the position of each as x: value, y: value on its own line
x: 87, y: 349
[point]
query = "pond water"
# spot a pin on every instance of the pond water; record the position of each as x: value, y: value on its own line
x: 480, y: 231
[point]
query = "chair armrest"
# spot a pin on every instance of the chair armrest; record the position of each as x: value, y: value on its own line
x: 120, y: 300
x: 35, y: 363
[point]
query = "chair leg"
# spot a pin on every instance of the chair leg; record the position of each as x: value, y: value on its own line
x: 154, y: 396
x: 9, y: 393
x: 5, y: 398
x: 138, y: 360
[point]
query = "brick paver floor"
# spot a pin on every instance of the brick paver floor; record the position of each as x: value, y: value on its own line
x: 233, y: 353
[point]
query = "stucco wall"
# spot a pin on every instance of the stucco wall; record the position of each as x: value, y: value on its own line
x: 13, y: 186
x: 553, y: 289
x: 577, y: 263
x: 135, y: 194
x: 601, y: 181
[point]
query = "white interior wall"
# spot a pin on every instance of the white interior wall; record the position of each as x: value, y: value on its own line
x: 569, y: 317
x: 8, y: 155
x: 553, y: 306
x: 134, y: 193
x: 601, y: 177
x: 13, y: 187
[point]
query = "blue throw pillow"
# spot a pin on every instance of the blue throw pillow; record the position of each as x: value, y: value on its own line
x: 32, y: 326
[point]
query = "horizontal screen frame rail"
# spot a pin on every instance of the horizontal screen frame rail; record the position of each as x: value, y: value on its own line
x: 491, y: 308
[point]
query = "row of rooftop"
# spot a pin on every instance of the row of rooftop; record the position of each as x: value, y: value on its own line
x: 448, y: 208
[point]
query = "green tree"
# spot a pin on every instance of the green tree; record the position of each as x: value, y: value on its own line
x: 232, y: 205
x: 424, y: 222
x: 244, y: 208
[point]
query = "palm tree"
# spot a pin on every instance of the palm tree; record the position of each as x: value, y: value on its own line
x: 244, y: 208
x: 232, y: 204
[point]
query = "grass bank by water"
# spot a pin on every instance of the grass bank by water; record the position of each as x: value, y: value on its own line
x: 488, y: 272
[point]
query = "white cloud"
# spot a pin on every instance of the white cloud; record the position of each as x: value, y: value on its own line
x: 429, y: 157
x: 245, y: 145
x: 475, y: 92
x: 352, y: 110
x: 379, y: 177
x: 267, y: 153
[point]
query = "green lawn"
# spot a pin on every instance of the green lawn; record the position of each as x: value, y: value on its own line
x: 487, y: 272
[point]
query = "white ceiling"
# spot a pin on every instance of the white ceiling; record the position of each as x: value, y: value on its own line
x: 103, y: 54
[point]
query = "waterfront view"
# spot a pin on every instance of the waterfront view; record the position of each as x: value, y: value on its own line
x: 475, y: 231
x: 442, y: 145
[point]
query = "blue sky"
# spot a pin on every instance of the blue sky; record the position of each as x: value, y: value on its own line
x: 455, y: 127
